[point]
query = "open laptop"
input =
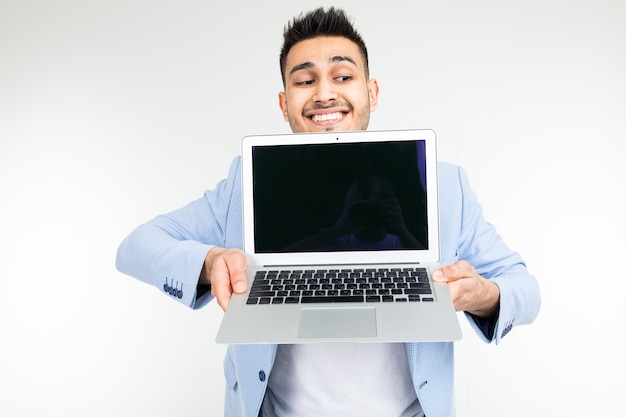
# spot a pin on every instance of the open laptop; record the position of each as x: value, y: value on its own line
x: 341, y: 233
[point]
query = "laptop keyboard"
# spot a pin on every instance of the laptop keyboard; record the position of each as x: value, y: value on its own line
x: 373, y: 285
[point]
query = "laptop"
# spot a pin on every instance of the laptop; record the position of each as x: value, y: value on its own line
x: 341, y: 233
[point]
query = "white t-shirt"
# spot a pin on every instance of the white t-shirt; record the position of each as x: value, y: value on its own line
x: 341, y: 379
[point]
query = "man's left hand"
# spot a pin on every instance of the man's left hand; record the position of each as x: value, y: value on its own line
x: 470, y: 292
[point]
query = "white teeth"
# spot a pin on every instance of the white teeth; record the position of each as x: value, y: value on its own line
x: 325, y: 117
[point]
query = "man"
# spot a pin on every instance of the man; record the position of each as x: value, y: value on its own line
x: 327, y: 87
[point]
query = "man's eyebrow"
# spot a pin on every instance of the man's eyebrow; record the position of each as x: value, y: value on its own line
x: 333, y: 60
x: 340, y: 58
x: 303, y: 66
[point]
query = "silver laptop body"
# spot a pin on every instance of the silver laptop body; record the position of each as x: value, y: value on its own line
x: 341, y: 232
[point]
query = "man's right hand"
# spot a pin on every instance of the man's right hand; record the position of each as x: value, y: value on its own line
x: 224, y: 269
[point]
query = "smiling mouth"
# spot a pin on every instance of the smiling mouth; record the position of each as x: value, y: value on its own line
x: 327, y: 117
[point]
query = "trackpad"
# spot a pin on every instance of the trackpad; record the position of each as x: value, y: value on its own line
x: 327, y: 323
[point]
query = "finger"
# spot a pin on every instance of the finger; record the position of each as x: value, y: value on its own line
x: 236, y: 263
x: 220, y: 283
x: 456, y: 271
x: 228, y: 275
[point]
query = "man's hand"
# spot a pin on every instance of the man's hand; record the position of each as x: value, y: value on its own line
x: 470, y: 292
x: 224, y: 269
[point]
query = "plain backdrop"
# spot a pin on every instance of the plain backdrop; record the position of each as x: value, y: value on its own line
x: 112, y: 112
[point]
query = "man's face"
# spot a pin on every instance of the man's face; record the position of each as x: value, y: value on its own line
x: 326, y: 88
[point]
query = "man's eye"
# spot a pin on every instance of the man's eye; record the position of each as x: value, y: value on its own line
x: 305, y: 82
x: 343, y: 78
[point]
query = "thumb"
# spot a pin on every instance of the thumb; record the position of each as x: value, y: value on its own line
x: 439, y: 276
x: 238, y: 279
x: 239, y: 284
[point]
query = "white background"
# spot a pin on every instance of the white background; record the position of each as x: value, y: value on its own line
x: 112, y: 112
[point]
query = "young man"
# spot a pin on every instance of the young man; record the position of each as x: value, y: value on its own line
x: 194, y: 254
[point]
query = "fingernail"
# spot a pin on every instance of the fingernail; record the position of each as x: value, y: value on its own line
x: 438, y: 275
x: 239, y: 287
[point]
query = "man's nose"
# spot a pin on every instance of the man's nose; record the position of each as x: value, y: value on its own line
x: 325, y: 92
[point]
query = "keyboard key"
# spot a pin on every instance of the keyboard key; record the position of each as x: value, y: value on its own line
x: 333, y: 299
x: 257, y: 294
x: 418, y: 291
x: 256, y: 287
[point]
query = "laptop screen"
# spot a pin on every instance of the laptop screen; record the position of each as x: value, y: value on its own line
x: 351, y: 196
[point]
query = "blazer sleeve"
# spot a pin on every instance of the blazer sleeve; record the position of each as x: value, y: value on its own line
x: 482, y: 247
x: 168, y: 251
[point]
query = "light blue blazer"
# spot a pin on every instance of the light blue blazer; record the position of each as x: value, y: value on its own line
x: 168, y: 252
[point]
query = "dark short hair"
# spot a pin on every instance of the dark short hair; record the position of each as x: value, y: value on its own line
x: 320, y: 22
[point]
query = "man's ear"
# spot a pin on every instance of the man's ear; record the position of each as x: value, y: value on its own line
x: 372, y: 88
x: 282, y: 103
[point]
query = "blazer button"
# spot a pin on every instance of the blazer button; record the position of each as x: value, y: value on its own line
x: 262, y: 376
